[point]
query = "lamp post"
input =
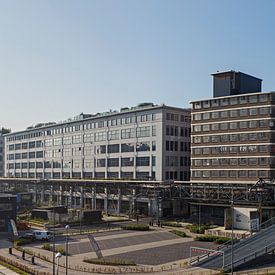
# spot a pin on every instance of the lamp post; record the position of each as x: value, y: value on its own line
x: 54, y: 240
x: 57, y: 256
x: 67, y: 248
x: 232, y: 233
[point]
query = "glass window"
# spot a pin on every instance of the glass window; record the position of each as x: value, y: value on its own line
x: 88, y: 138
x: 253, y: 99
x: 215, y: 127
x: 242, y: 161
x: 113, y: 148
x: 127, y: 162
x: 127, y: 147
x: 113, y: 162
x: 233, y: 100
x: 243, y: 99
x: 77, y: 139
x: 224, y: 114
x: 142, y: 161
x: 143, y: 131
x: 233, y: 113
x: 233, y: 125
x: 263, y: 123
x: 113, y: 135
x: 263, y: 97
x: 233, y: 161
x: 215, y: 162
x: 253, y: 124
x: 264, y: 111
x: 243, y: 137
x: 253, y: 112
x: 101, y: 162
x: 224, y: 138
x: 143, y: 146
x: 243, y: 112
x: 252, y: 136
x: 100, y: 136
x: 215, y: 139
x: 233, y: 137
x: 197, y: 128
x: 243, y: 124
x: 252, y: 161
x: 215, y: 115
x: 205, y: 116
x: 224, y: 101
x: 197, y: 139
x: 206, y: 139
x: 206, y: 127
x: 224, y: 126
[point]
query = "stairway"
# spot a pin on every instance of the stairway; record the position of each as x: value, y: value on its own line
x: 245, y: 250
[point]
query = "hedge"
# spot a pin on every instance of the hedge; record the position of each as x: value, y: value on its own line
x: 104, y: 261
x: 210, y: 238
x: 179, y: 233
x: 137, y: 227
x: 197, y: 229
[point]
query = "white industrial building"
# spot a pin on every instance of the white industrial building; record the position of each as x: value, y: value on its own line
x: 143, y: 142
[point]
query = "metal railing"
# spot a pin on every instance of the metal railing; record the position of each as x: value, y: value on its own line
x: 251, y: 256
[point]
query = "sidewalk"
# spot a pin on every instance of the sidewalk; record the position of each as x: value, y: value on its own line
x: 6, y: 271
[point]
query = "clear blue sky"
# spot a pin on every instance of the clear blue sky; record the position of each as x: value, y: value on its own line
x: 59, y: 58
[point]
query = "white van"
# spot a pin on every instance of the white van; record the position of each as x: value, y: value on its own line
x: 41, y: 235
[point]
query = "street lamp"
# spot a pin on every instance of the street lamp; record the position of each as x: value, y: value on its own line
x: 57, y: 256
x: 67, y: 248
x: 232, y: 233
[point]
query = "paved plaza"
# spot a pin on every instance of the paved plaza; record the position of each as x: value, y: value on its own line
x: 153, y: 247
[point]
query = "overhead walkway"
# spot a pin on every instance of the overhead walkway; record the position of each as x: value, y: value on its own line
x: 248, y: 249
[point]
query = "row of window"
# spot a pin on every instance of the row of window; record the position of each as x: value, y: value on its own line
x: 175, y: 175
x: 176, y: 131
x: 232, y: 161
x: 236, y: 113
x: 177, y: 117
x: 91, y: 125
x: 109, y: 162
x: 175, y: 161
x: 87, y: 138
x: 241, y: 125
x: 232, y: 173
x: 87, y: 151
x: 233, y: 149
x: 86, y: 175
x: 231, y: 101
x: 231, y: 138
x: 173, y: 146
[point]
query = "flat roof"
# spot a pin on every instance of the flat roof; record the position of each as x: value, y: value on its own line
x: 141, y: 109
x: 232, y: 71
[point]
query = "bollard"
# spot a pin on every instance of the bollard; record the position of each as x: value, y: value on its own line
x: 10, y: 250
x: 33, y: 260
x: 23, y: 254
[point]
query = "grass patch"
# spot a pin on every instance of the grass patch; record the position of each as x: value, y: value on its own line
x: 13, y: 268
x: 194, y: 228
x: 22, y: 241
x: 115, y: 262
x: 172, y: 224
x: 137, y: 227
x: 60, y: 249
x: 179, y: 233
x: 215, y: 239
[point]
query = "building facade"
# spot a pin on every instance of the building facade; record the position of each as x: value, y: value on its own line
x: 143, y: 142
x: 7, y: 211
x: 233, y: 138
x: 2, y: 155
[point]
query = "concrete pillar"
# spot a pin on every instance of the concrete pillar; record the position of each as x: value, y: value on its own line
x: 118, y: 201
x: 51, y: 196
x: 106, y: 200
x: 93, y: 197
x: 70, y: 198
x: 42, y: 198
x: 60, y: 195
x: 34, y: 198
x: 82, y: 197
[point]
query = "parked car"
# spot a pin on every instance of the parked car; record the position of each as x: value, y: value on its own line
x: 41, y: 235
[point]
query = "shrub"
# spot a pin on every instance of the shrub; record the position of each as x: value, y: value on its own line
x: 138, y: 227
x: 22, y: 241
x: 60, y: 250
x: 197, y: 229
x: 215, y: 239
x: 179, y: 233
x: 46, y: 246
x: 172, y: 224
x: 104, y: 261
